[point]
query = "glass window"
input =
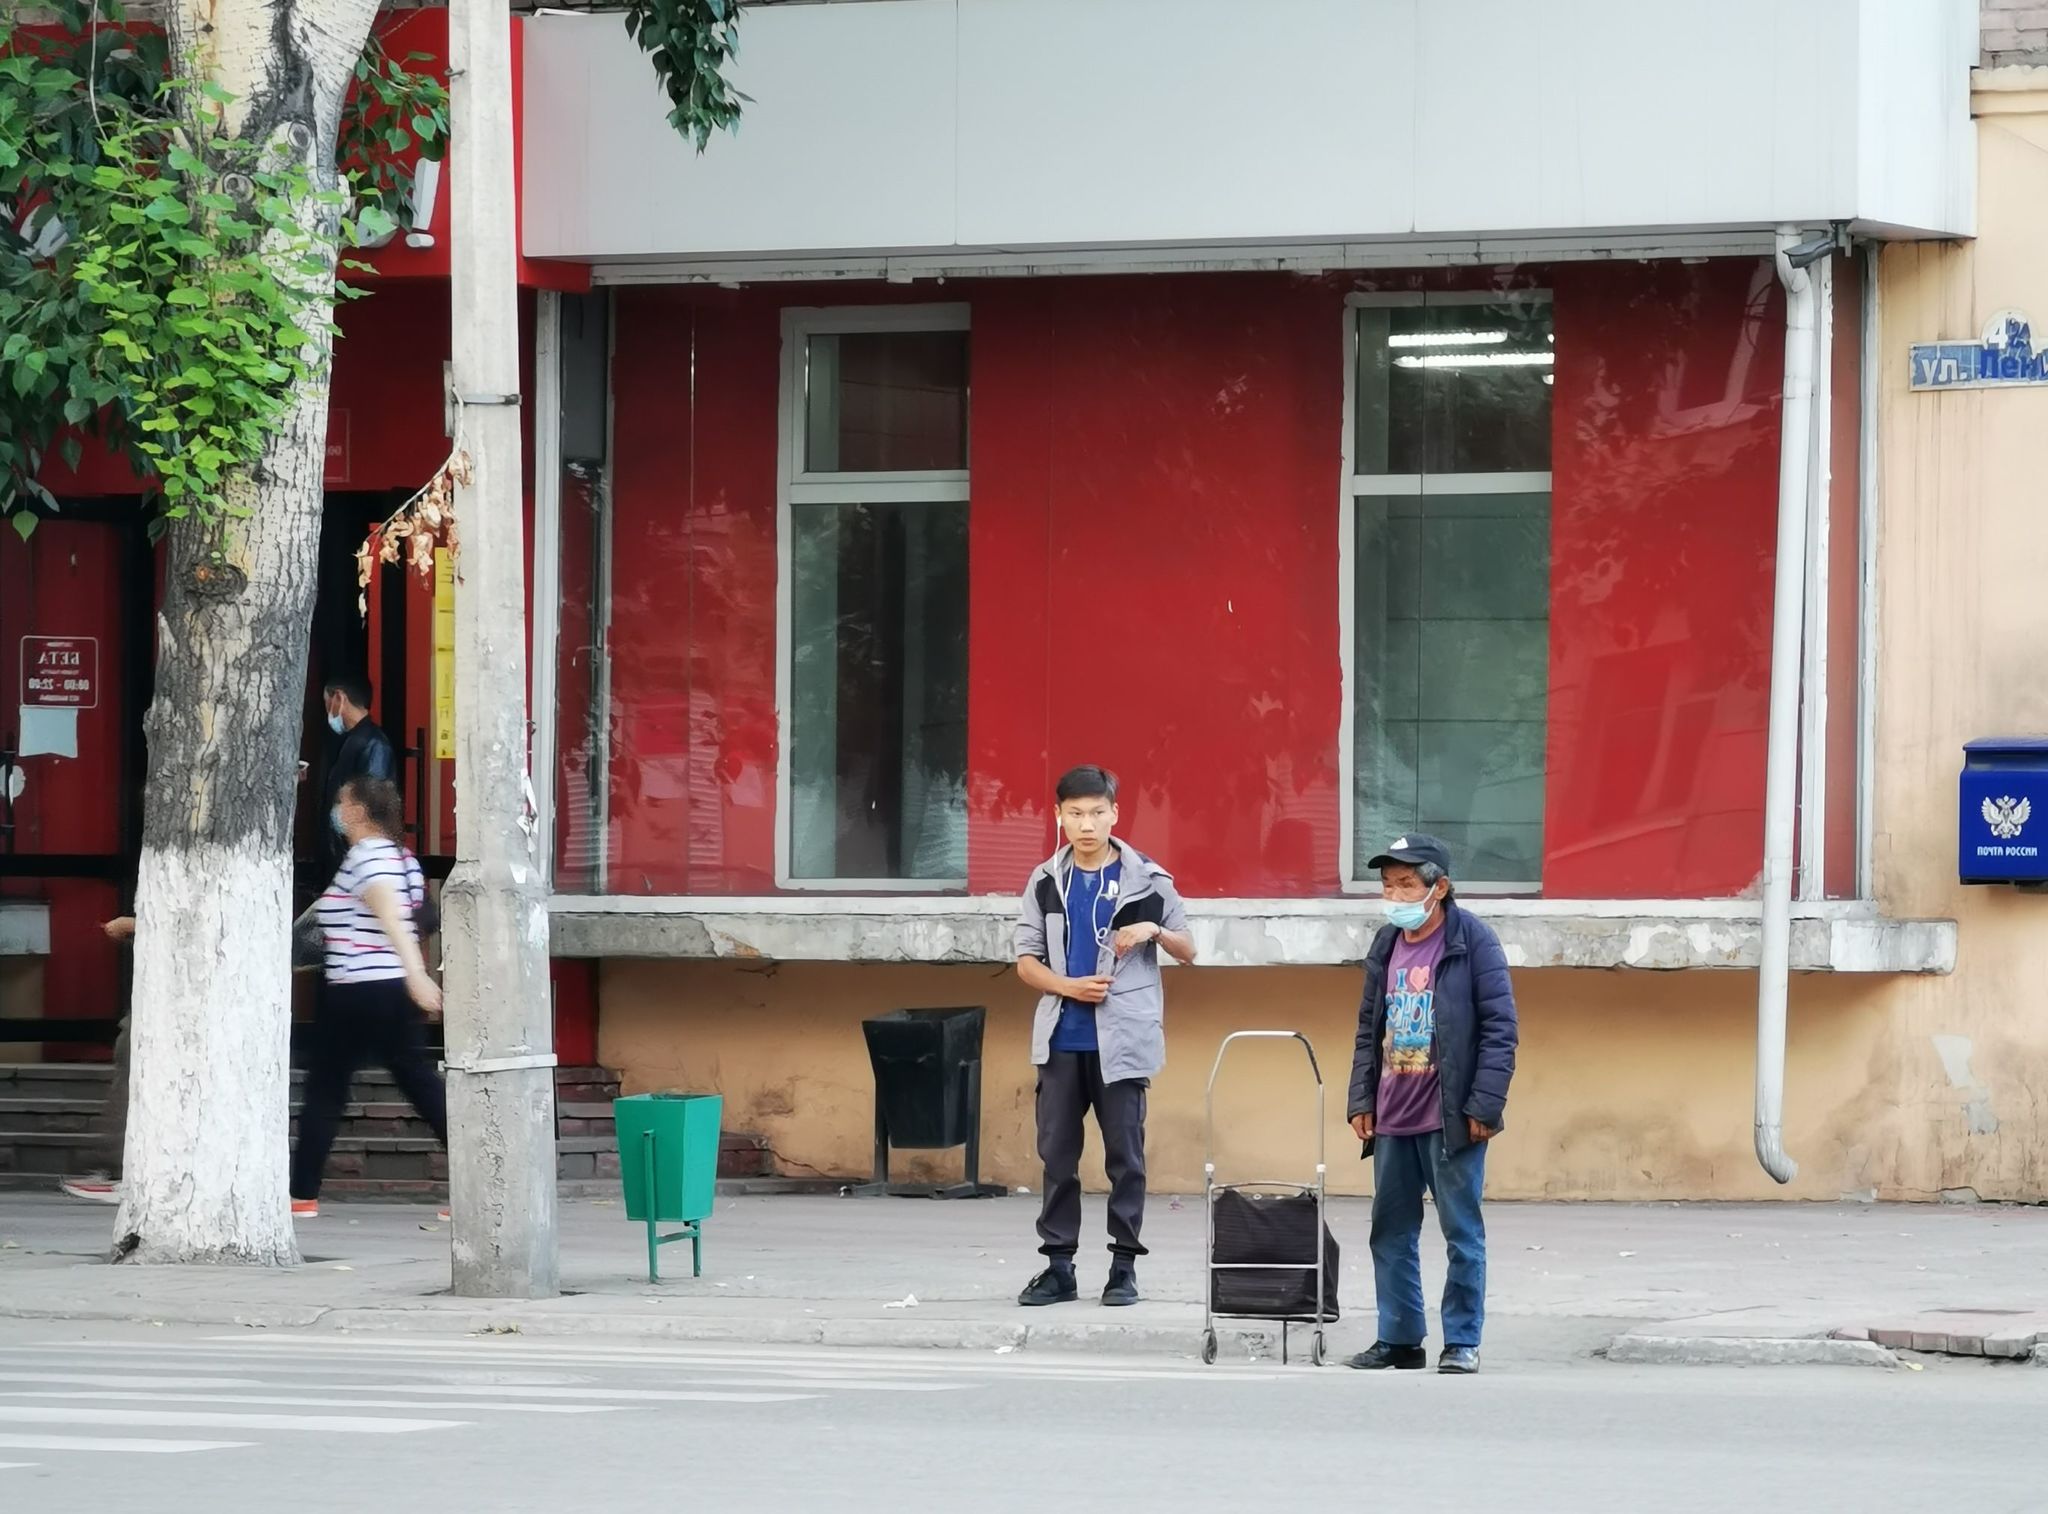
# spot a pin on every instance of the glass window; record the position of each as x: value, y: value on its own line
x: 885, y: 402
x: 877, y: 631
x: 878, y: 692
x: 580, y: 728
x: 1451, y: 581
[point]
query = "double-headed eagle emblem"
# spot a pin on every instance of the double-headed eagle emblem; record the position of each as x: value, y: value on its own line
x: 2008, y: 816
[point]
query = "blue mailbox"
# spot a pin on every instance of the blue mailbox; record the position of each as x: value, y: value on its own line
x: 2003, y: 821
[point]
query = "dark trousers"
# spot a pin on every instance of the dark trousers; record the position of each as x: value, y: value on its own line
x: 357, y: 1023
x: 112, y: 1139
x: 1069, y: 1085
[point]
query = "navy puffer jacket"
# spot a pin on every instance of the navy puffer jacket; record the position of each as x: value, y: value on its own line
x: 1476, y: 1027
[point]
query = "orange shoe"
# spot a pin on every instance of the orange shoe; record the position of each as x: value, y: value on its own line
x: 305, y: 1209
x: 441, y: 1215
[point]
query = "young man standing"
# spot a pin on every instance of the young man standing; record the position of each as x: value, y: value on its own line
x: 1429, y: 1085
x: 1095, y: 919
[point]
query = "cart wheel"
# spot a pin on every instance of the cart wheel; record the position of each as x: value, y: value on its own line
x: 1316, y: 1355
x: 1208, y: 1348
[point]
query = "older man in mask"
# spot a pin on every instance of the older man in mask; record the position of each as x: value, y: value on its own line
x: 1429, y: 1086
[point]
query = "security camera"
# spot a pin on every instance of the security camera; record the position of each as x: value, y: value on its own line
x: 1812, y: 250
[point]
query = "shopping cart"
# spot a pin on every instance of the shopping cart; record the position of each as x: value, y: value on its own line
x: 1270, y: 1254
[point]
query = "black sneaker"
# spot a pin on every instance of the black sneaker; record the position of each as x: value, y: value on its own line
x: 1122, y: 1288
x: 1381, y: 1357
x: 1459, y: 1361
x: 1055, y: 1285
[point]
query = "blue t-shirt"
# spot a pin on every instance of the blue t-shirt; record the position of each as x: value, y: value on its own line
x: 1091, y: 905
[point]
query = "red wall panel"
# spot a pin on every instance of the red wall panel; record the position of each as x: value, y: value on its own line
x: 1012, y: 351
x: 387, y: 388
x: 1187, y: 435
x: 1153, y: 580
x: 1663, y: 536
x: 693, y: 733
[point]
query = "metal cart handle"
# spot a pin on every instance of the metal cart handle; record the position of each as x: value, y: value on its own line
x: 1266, y: 1035
x: 1209, y: 1098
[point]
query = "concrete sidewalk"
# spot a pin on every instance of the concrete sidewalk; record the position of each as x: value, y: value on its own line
x: 1708, y: 1283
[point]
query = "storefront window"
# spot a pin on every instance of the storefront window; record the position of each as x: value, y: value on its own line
x: 579, y: 767
x: 877, y: 633
x: 1451, y: 577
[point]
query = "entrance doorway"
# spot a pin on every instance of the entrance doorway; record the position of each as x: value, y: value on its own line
x: 76, y: 667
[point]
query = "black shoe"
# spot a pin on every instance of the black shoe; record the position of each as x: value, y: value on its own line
x: 1122, y: 1287
x: 1055, y: 1285
x: 1381, y: 1357
x: 1459, y: 1361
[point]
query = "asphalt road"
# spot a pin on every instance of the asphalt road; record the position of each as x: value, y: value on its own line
x: 180, y: 1421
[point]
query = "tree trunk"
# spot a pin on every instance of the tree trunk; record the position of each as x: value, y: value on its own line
x: 207, y: 1147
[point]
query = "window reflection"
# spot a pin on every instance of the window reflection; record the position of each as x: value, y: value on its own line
x: 1451, y: 589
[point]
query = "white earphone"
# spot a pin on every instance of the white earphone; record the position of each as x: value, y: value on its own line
x: 1108, y: 893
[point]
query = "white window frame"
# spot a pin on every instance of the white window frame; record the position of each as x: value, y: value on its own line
x: 795, y: 485
x: 1351, y: 485
x: 544, y: 633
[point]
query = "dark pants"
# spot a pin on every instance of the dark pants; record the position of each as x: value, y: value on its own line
x: 357, y: 1023
x: 1069, y: 1085
x: 1402, y: 1168
x: 112, y: 1140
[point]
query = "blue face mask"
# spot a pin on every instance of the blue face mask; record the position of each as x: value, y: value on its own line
x: 336, y: 725
x: 1411, y: 916
x: 334, y: 819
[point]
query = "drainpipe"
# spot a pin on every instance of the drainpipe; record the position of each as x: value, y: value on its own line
x: 1781, y: 764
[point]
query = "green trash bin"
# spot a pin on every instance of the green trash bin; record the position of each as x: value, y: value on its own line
x: 668, y: 1162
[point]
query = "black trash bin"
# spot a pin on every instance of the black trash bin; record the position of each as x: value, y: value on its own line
x: 927, y: 1065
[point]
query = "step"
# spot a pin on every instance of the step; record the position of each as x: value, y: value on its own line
x: 50, y: 1154
x: 55, y: 1080
x: 24, y: 1115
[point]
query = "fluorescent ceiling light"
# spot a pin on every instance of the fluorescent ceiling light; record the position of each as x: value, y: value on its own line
x: 1446, y: 338
x: 1477, y: 360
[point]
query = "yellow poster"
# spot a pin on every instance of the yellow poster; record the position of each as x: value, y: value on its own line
x: 444, y: 656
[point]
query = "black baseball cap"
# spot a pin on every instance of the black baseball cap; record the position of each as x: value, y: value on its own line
x: 1414, y: 849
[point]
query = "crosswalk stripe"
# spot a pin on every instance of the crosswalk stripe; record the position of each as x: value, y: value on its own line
x: 127, y: 1380
x: 328, y: 1403
x: 802, y: 1384
x: 122, y: 1445
x: 621, y: 1395
x: 195, y: 1419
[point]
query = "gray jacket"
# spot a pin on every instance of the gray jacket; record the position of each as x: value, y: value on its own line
x: 1129, y: 1023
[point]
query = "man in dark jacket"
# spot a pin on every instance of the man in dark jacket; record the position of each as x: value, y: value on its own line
x: 363, y: 752
x: 1429, y: 1084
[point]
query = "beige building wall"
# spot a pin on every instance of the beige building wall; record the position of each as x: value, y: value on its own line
x: 1632, y: 1085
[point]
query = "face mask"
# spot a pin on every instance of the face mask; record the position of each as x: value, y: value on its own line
x: 1411, y: 916
x: 334, y: 724
x: 334, y: 819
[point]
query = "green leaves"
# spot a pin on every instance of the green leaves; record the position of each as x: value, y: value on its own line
x: 691, y: 43
x: 163, y: 286
x: 395, y: 118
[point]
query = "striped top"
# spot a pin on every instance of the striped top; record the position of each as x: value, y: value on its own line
x: 357, y: 949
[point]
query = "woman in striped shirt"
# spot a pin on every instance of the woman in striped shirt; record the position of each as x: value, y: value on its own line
x: 376, y: 984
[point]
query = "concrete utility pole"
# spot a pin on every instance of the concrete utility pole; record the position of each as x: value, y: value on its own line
x: 501, y: 1081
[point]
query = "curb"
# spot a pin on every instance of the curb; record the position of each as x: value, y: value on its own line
x: 1159, y: 1340
x: 1746, y: 1351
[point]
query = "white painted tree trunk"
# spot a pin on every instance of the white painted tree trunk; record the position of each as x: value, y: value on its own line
x: 206, y: 1159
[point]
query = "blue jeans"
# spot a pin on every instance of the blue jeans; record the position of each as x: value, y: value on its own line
x: 1402, y: 1167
